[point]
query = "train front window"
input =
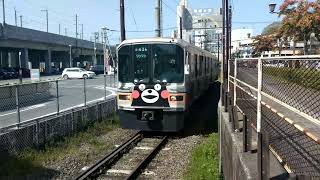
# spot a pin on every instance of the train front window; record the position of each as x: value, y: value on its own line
x: 141, y: 63
x: 168, y: 63
x: 124, y: 64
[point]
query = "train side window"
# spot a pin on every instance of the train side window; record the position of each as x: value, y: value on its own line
x: 196, y: 65
x: 205, y: 66
x: 201, y: 66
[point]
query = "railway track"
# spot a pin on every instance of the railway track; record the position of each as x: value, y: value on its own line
x: 128, y: 160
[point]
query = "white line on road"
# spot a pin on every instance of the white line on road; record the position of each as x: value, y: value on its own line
x: 26, y: 109
x: 113, y: 93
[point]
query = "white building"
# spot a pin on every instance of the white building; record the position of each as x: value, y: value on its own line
x: 207, y: 23
x: 241, y: 42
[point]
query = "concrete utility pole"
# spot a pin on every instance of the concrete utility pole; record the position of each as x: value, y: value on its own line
x: 46, y: 10
x: 70, y: 55
x: 76, y: 26
x: 20, y: 20
x: 65, y: 32
x: 229, y: 30
x: 103, y: 33
x: 158, y: 18
x: 4, y: 12
x: 15, y: 17
x: 122, y: 21
x: 96, y: 36
x: 81, y: 31
x: 59, y: 29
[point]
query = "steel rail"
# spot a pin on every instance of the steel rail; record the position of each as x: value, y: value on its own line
x: 144, y: 163
x: 111, y: 158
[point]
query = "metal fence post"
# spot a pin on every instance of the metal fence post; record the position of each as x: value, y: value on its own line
x: 234, y: 109
x: 84, y: 92
x: 105, y: 87
x: 263, y: 140
x: 57, y: 93
x: 227, y: 88
x: 246, y: 134
x: 18, y: 105
x: 114, y: 79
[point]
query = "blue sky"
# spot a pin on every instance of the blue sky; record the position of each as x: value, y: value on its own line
x: 139, y: 15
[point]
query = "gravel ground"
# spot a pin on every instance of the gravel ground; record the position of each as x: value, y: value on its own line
x: 173, y: 159
x: 73, y: 165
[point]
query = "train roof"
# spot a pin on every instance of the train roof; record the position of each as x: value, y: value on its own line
x: 180, y: 42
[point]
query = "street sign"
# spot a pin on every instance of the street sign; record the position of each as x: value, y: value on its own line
x: 35, y: 74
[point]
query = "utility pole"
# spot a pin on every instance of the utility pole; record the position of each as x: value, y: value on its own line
x: 76, y: 26
x: 15, y: 17
x: 227, y: 34
x: 103, y: 33
x: 122, y: 21
x: 81, y: 31
x: 59, y: 29
x: 96, y: 36
x: 20, y: 20
x: 46, y: 10
x: 229, y: 30
x: 65, y: 32
x: 158, y: 18
x: 4, y: 12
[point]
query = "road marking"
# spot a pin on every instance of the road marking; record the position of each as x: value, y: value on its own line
x: 79, y: 105
x: 108, y: 88
x: 26, y: 109
x: 113, y: 93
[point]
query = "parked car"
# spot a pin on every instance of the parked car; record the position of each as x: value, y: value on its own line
x: 25, y: 72
x: 77, y: 73
x: 98, y: 69
x: 4, y: 74
x: 12, y: 72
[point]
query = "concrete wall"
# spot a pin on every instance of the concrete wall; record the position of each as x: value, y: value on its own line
x: 239, y: 165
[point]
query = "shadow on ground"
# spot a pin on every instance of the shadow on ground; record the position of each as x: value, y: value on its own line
x: 204, y: 112
x: 13, y: 167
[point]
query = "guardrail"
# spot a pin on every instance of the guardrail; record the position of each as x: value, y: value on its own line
x: 279, y: 98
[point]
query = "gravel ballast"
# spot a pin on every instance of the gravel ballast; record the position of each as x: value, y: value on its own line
x: 73, y: 165
x: 172, y: 161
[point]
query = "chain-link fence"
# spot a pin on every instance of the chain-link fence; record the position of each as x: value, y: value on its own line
x: 28, y: 102
x: 33, y: 114
x: 279, y: 98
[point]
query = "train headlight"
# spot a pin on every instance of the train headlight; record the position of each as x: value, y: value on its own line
x: 176, y: 98
x: 125, y: 97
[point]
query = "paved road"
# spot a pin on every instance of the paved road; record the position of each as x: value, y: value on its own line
x: 71, y: 95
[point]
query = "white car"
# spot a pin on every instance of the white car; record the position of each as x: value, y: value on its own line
x: 69, y: 73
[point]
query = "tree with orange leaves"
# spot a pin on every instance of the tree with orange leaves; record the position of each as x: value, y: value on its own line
x: 301, y: 18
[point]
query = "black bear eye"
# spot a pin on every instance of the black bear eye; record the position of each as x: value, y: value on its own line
x: 157, y: 87
x: 142, y: 87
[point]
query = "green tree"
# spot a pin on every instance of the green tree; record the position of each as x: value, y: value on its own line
x: 272, y: 28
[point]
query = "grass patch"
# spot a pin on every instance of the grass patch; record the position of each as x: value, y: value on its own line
x: 308, y: 78
x: 205, y: 160
x: 32, y: 160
